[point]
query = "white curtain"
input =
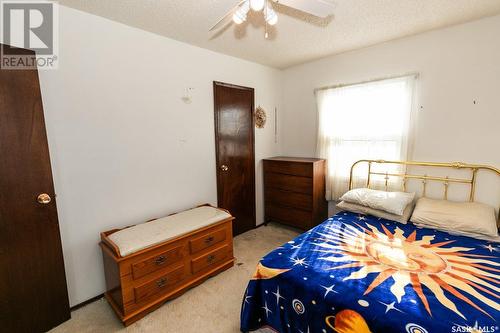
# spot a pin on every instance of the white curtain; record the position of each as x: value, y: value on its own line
x: 363, y: 121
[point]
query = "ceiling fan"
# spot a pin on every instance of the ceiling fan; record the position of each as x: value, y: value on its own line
x: 319, y: 8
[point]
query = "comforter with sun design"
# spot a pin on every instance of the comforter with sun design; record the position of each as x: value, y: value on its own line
x: 357, y: 274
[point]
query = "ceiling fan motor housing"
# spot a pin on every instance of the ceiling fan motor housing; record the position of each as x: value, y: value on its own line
x: 257, y: 5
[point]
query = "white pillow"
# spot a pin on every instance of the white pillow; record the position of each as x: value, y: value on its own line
x: 465, y: 217
x: 355, y: 208
x: 391, y: 202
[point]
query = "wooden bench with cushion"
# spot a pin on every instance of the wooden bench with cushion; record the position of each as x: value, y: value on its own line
x: 149, y: 263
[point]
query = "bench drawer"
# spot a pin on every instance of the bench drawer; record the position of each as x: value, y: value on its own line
x: 211, y: 258
x: 157, y: 262
x: 159, y: 285
x: 206, y: 240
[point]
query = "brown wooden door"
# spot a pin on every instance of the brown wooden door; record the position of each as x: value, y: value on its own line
x: 33, y: 294
x: 234, y: 142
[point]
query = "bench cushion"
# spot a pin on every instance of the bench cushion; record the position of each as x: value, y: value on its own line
x: 141, y: 236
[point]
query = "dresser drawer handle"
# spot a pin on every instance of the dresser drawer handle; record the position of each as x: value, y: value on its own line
x: 160, y: 260
x: 209, y: 240
x: 161, y: 282
x: 210, y: 258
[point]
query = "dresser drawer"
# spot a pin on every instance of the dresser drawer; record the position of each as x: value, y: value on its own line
x: 287, y: 198
x: 156, y: 262
x: 159, y: 285
x: 289, y: 183
x: 209, y: 259
x: 295, y: 217
x: 289, y: 168
x: 207, y: 240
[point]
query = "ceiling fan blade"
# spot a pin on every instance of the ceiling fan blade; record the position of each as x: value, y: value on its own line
x: 319, y: 8
x: 224, y: 18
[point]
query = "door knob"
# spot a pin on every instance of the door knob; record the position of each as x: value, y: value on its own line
x: 224, y: 167
x: 44, y: 198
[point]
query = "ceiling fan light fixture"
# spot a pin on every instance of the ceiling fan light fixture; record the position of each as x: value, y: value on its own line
x: 240, y: 15
x: 257, y: 5
x: 238, y: 18
x: 271, y: 16
x: 273, y: 20
x: 239, y: 12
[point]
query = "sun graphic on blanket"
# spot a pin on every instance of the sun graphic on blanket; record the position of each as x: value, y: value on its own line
x: 412, y: 261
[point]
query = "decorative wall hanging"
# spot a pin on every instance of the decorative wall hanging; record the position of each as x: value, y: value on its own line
x: 260, y: 117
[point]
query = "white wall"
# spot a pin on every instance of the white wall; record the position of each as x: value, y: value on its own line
x: 457, y: 66
x: 124, y: 147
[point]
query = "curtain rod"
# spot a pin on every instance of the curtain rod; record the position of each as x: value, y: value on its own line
x: 415, y: 74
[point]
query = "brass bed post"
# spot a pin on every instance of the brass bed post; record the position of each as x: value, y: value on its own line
x: 473, y: 185
x: 424, y: 184
x: 446, y: 184
x: 351, y: 174
x: 369, y: 175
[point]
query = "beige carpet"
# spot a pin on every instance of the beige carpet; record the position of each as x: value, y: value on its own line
x: 212, y: 307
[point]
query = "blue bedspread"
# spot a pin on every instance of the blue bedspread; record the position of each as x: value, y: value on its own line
x: 356, y: 273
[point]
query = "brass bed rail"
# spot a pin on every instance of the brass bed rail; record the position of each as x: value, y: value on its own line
x: 471, y: 181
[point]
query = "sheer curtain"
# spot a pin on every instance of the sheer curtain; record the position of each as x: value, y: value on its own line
x: 363, y: 121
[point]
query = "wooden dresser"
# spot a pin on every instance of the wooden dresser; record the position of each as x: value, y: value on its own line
x: 294, y: 191
x: 142, y: 281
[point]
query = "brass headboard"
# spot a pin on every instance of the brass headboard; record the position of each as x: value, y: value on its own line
x: 405, y: 176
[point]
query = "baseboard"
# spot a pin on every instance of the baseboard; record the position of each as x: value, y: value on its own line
x: 82, y: 304
x: 263, y: 224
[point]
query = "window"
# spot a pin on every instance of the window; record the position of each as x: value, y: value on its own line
x: 363, y: 121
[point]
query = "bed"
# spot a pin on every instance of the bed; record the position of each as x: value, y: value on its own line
x: 360, y: 273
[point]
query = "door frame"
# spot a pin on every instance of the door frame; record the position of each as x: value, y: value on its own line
x: 252, y: 133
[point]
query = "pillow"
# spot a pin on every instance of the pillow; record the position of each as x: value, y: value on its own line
x: 391, y: 202
x: 494, y: 239
x: 465, y: 217
x: 355, y: 208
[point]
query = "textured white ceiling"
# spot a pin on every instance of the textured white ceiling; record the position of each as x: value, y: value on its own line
x: 296, y: 38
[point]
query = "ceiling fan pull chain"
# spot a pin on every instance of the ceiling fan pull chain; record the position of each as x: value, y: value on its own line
x: 266, y: 35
